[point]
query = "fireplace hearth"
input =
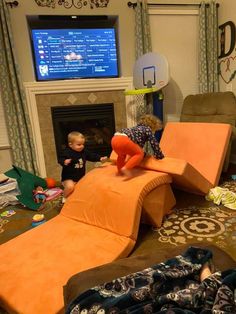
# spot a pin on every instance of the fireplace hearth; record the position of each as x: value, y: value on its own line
x: 96, y: 122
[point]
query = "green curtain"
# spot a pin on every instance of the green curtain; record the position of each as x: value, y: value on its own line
x: 142, y: 45
x: 13, y: 98
x: 142, y: 29
x: 208, y: 47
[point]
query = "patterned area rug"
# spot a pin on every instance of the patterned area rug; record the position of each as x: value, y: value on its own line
x: 200, y: 224
x: 203, y: 222
x: 231, y: 185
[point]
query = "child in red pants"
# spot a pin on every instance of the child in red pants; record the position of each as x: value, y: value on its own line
x: 130, y: 142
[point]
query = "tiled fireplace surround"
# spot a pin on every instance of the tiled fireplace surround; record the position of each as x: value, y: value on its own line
x: 41, y: 96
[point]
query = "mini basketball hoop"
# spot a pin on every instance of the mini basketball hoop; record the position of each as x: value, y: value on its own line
x: 151, y: 71
x: 150, y: 74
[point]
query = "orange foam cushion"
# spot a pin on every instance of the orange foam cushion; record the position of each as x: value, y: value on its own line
x: 35, y: 265
x: 202, y: 145
x: 157, y: 204
x: 117, y: 197
x: 184, y: 176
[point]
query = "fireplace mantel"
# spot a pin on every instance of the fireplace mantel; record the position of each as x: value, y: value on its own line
x: 32, y: 89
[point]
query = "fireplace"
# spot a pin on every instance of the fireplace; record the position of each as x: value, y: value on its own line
x: 96, y: 122
x: 42, y: 96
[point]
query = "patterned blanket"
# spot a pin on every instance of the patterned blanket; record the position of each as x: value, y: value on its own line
x: 170, y: 287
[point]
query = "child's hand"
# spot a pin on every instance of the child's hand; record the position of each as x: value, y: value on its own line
x: 104, y: 158
x: 67, y: 162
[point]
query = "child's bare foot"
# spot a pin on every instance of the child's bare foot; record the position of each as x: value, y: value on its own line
x: 205, y: 272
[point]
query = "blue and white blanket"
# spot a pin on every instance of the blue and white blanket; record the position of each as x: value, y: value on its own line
x: 170, y: 287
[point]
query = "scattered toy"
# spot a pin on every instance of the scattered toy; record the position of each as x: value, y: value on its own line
x: 53, y: 193
x: 51, y: 183
x: 39, y: 195
x: 7, y: 213
x: 38, y: 219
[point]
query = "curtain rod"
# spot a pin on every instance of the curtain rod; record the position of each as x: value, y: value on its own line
x: 134, y: 4
x: 12, y: 3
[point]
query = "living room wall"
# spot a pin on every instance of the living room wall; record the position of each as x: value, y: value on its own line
x: 22, y: 41
x: 23, y: 49
x: 126, y: 31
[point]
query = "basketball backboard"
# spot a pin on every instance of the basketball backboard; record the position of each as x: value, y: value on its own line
x: 151, y: 71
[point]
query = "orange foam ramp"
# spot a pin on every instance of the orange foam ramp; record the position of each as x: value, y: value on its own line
x: 98, y: 224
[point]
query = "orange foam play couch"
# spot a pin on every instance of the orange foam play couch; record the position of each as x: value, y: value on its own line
x: 99, y: 222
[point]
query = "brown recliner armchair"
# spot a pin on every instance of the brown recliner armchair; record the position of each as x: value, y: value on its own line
x: 218, y: 107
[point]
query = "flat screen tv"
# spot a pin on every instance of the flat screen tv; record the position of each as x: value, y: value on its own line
x: 74, y: 50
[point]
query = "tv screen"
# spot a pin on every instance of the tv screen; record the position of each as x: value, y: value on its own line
x: 70, y: 53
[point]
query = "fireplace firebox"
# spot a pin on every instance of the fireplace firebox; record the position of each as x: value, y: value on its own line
x: 96, y: 122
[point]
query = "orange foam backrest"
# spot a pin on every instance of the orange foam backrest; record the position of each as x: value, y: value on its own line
x: 202, y: 145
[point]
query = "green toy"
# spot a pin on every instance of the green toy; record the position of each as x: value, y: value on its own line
x: 26, y: 183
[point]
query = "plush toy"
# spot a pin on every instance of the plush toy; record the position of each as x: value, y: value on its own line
x: 39, y: 195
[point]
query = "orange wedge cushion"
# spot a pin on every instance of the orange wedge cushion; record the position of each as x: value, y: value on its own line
x: 202, y: 145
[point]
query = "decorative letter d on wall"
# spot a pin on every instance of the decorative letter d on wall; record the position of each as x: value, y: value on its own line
x: 227, y: 64
x: 223, y: 28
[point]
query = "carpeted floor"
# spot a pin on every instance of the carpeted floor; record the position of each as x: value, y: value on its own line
x: 21, y: 221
